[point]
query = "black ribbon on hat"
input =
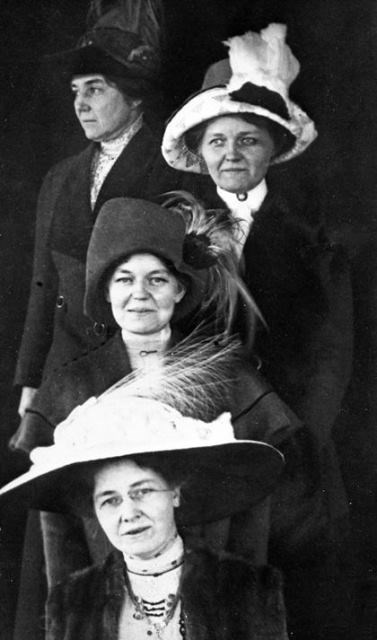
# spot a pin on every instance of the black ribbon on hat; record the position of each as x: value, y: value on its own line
x: 196, y: 252
x: 261, y: 97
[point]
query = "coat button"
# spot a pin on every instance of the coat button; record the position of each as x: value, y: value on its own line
x: 60, y: 302
x: 99, y: 328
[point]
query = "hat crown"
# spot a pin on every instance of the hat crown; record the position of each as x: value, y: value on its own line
x: 263, y: 59
x: 138, y: 424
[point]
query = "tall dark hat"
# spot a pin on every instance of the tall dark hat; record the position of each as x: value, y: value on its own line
x: 123, y: 43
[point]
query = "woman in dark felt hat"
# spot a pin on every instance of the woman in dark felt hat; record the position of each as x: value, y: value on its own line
x: 144, y: 469
x: 112, y: 73
x: 148, y: 269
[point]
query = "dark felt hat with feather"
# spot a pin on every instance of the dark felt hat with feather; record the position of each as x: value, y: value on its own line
x: 195, y: 244
x: 122, y: 41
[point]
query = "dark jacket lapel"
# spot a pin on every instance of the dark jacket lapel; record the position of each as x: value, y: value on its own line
x: 129, y: 174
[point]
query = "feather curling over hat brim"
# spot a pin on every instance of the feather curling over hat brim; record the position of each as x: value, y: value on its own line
x: 223, y: 475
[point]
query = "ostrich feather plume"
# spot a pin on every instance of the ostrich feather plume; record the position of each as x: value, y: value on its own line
x: 263, y: 59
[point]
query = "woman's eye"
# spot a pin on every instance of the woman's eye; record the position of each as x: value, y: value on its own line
x: 216, y: 142
x: 124, y: 279
x: 157, y: 280
x: 114, y: 501
x: 248, y: 141
x: 139, y: 494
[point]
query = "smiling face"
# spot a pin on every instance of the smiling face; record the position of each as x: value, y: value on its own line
x: 143, y: 294
x: 135, y: 508
x: 237, y: 153
x: 102, y: 109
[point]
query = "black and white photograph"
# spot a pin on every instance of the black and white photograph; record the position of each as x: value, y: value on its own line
x: 188, y: 380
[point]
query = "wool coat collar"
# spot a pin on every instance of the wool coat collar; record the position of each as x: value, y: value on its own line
x: 223, y: 598
x: 73, y: 217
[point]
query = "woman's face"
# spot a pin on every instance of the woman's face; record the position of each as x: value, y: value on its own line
x: 135, y: 508
x: 103, y: 110
x: 143, y: 294
x: 237, y: 153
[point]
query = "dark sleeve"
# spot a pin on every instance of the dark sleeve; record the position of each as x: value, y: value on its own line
x: 328, y: 344
x: 38, y: 327
x: 257, y: 411
x: 63, y: 390
x: 256, y: 600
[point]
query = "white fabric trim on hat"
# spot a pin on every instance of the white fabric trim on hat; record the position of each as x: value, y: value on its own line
x: 216, y: 102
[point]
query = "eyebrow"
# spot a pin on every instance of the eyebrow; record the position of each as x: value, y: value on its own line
x: 88, y: 82
x: 154, y: 271
x: 134, y: 485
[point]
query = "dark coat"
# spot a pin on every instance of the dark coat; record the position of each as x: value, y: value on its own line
x: 223, y: 597
x: 256, y: 410
x: 300, y: 280
x: 56, y: 329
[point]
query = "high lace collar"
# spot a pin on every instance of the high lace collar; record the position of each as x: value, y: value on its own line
x: 163, y: 563
x: 114, y: 147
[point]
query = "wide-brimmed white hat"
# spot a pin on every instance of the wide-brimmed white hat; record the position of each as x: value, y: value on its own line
x: 224, y: 475
x: 255, y: 80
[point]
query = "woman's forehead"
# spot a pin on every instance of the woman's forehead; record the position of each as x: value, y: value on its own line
x: 124, y: 473
x: 231, y: 123
x: 144, y: 261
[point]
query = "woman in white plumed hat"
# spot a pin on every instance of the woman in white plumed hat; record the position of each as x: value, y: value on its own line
x: 144, y: 469
x: 227, y: 137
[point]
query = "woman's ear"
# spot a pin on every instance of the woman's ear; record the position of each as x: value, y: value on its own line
x: 177, y: 497
x: 181, y: 291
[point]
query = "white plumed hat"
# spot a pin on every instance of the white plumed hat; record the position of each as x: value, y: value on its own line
x: 149, y: 414
x: 255, y: 79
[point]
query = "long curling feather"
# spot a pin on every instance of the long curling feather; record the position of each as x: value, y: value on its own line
x: 263, y: 59
x: 193, y: 377
x: 225, y: 288
x: 144, y: 17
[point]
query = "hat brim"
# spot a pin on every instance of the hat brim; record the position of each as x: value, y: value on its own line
x: 221, y: 479
x: 91, y: 59
x: 216, y: 102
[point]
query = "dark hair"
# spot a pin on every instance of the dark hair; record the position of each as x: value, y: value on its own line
x: 128, y: 87
x: 282, y: 138
x: 80, y: 485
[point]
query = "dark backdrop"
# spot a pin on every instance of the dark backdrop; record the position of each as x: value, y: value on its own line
x: 335, y: 43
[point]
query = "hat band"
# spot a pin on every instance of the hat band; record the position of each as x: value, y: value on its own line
x: 261, y: 97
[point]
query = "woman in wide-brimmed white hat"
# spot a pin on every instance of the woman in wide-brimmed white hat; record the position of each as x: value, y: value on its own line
x: 229, y: 137
x: 144, y: 469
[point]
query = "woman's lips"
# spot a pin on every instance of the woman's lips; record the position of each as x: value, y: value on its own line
x: 135, y: 532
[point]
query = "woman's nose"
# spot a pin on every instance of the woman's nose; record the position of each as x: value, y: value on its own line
x: 80, y: 103
x: 128, y: 511
x: 139, y: 290
x: 232, y: 151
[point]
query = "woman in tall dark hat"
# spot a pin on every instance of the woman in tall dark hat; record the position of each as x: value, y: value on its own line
x: 149, y: 268
x: 142, y: 468
x: 112, y: 73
